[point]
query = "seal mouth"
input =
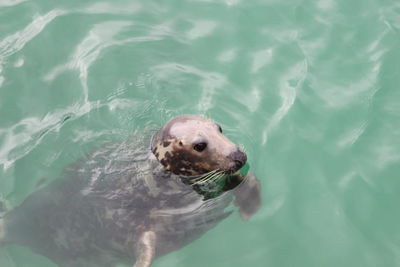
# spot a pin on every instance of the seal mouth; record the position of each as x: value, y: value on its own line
x: 239, y: 159
x: 232, y: 171
x: 235, y: 167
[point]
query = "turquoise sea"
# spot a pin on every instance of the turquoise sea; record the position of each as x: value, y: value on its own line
x: 311, y: 89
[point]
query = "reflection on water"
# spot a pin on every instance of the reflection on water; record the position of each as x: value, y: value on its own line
x: 309, y: 89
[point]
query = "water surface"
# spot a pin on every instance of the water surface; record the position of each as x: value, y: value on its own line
x: 309, y: 88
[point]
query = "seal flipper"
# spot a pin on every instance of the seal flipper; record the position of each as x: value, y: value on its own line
x: 248, y: 196
x: 145, y: 250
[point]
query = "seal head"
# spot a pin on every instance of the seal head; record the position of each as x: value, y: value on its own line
x: 191, y: 145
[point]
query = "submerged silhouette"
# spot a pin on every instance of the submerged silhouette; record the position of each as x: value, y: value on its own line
x: 124, y: 204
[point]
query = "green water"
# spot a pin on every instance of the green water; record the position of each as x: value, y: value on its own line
x: 309, y: 88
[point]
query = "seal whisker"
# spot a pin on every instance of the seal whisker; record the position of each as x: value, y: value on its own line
x: 206, y: 177
x: 217, y: 177
x: 212, y: 178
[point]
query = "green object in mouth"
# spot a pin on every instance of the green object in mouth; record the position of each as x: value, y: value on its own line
x: 244, y: 170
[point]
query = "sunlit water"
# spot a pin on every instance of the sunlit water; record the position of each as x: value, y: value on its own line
x: 309, y: 88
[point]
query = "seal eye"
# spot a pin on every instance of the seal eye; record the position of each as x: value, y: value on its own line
x: 199, y: 147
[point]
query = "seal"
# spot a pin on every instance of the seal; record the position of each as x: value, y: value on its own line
x: 126, y: 203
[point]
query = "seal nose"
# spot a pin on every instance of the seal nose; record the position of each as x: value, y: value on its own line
x: 239, y: 158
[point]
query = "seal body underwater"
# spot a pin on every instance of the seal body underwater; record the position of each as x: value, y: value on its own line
x: 126, y: 203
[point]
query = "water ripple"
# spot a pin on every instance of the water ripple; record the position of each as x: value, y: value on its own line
x: 126, y: 7
x: 309, y: 88
x: 19, y: 139
x: 351, y: 137
x: 289, y: 85
x: 100, y: 37
x: 22, y: 137
x: 227, y: 55
x: 15, y: 42
x: 210, y: 81
x: 8, y: 3
x: 261, y: 58
x: 201, y: 28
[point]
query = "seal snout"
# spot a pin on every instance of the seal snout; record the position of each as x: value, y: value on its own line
x: 239, y: 158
